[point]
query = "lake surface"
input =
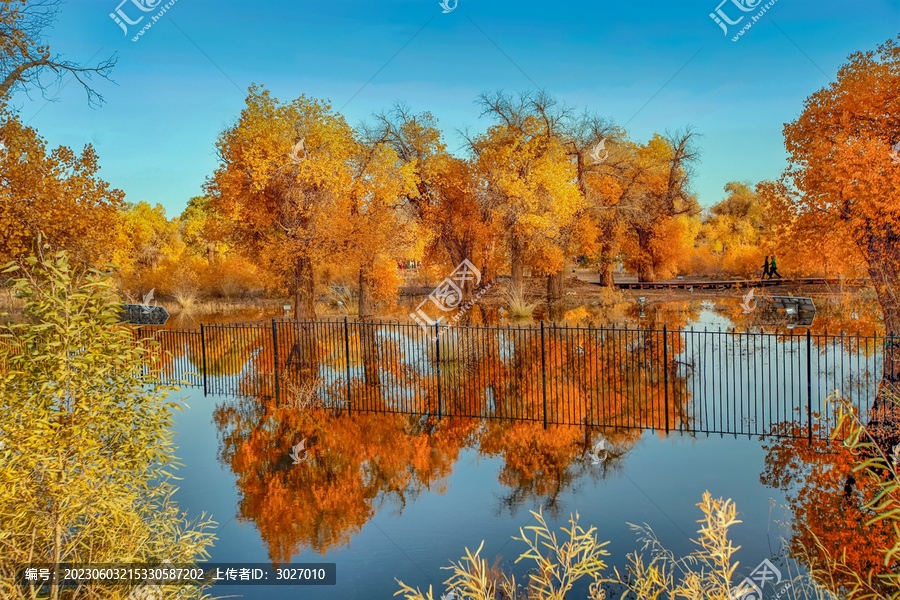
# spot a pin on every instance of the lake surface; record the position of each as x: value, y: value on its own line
x: 397, y: 496
x: 657, y: 481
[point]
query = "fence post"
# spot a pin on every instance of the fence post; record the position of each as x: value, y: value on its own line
x: 203, y: 350
x: 275, y: 355
x: 891, y: 363
x: 809, y: 384
x: 347, y: 355
x: 437, y: 358
x: 666, y: 372
x: 139, y: 342
x: 544, y: 372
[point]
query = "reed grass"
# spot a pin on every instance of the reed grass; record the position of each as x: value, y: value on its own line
x: 518, y: 302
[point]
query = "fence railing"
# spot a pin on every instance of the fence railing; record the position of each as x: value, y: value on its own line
x: 706, y: 381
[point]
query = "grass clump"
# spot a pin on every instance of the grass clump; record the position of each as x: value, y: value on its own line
x: 520, y: 306
x: 557, y: 566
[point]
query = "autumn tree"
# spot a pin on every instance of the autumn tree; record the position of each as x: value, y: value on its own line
x: 841, y: 172
x: 26, y: 61
x: 146, y: 237
x: 591, y: 142
x: 808, y: 247
x: 737, y: 231
x: 638, y: 198
x: 284, y: 170
x: 447, y: 198
x: 612, y: 190
x: 57, y: 192
x: 86, y: 434
x: 662, y: 195
x: 379, y: 228
x: 152, y: 256
x: 531, y: 183
x: 203, y: 229
x: 737, y: 219
x: 843, y: 175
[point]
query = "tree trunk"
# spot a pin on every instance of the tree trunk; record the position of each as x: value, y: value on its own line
x: 304, y: 290
x: 555, y: 285
x: 368, y: 340
x: 555, y: 295
x: 882, y: 254
x: 458, y: 253
x: 516, y: 264
x: 489, y: 267
x: 306, y: 348
x: 883, y: 259
x: 607, y: 278
x: 646, y: 271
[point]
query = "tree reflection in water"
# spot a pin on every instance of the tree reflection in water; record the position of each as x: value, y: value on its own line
x: 353, y: 463
x: 358, y: 463
x: 828, y: 500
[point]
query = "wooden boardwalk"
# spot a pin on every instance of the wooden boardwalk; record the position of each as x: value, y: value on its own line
x: 682, y: 284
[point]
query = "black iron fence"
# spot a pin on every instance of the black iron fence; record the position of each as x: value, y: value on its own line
x: 707, y: 381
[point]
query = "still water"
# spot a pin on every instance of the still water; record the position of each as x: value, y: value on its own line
x: 394, y: 496
x: 397, y: 496
x: 410, y: 536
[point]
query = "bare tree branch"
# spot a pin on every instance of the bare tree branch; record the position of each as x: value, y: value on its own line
x: 26, y: 61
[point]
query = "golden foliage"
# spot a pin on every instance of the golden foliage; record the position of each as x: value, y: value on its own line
x: 841, y: 177
x: 558, y: 565
x: 55, y: 192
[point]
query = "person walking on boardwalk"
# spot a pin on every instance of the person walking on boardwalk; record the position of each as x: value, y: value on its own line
x: 773, y: 269
x: 766, y: 268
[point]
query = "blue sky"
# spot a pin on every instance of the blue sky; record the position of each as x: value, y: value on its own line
x: 650, y: 66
